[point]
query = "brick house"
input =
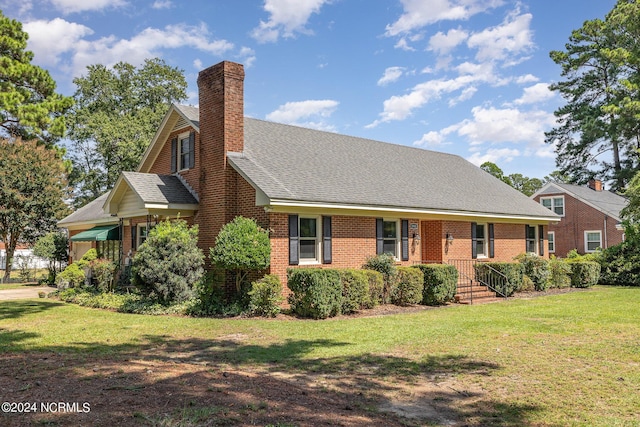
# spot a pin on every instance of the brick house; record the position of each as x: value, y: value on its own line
x: 328, y: 200
x: 590, y: 217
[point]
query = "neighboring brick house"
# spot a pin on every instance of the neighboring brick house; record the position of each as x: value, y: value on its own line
x: 328, y: 200
x: 590, y: 217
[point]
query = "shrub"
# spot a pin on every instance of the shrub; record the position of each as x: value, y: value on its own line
x: 70, y: 277
x: 385, y: 264
x: 169, y: 264
x: 86, y: 259
x: 621, y: 265
x: 316, y: 292
x: 355, y: 290
x: 512, y: 271
x: 376, y: 285
x: 408, y: 288
x: 241, y: 247
x: 265, y: 296
x: 103, y: 272
x: 537, y: 269
x: 440, y: 283
x: 559, y: 273
x: 584, y: 274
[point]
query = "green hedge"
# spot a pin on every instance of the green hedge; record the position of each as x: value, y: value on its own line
x: 584, y: 274
x: 537, y: 269
x: 440, y: 283
x: 408, y: 287
x: 316, y: 292
x: 355, y: 290
x: 559, y: 273
x: 265, y: 296
x: 375, y: 281
x: 511, y: 270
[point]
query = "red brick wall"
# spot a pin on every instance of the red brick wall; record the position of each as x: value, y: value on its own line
x: 162, y: 164
x: 353, y: 241
x: 579, y: 217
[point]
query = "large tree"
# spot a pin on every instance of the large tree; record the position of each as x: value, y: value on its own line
x: 597, y: 132
x: 523, y: 184
x: 32, y: 193
x: 116, y: 114
x: 29, y: 106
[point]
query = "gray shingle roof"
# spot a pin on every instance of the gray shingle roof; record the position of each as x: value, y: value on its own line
x: 90, y: 212
x: 606, y: 201
x: 154, y: 188
x: 298, y: 164
x: 190, y: 112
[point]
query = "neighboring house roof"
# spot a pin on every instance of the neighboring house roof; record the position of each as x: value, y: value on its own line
x: 91, y: 213
x: 606, y: 202
x: 297, y: 166
x: 153, y: 191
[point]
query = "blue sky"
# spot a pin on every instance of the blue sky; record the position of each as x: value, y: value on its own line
x: 467, y: 77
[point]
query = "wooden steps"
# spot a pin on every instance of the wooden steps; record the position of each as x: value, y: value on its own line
x: 474, y: 294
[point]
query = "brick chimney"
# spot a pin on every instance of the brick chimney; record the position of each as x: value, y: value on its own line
x: 221, y: 99
x: 595, y: 184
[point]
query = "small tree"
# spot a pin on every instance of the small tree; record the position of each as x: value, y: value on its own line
x: 53, y: 247
x: 169, y: 263
x: 241, y: 246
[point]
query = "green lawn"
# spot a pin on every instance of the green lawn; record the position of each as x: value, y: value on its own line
x: 569, y: 359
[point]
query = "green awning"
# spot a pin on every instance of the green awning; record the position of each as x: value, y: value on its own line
x: 99, y: 233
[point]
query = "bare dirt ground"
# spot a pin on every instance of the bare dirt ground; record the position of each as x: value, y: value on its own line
x: 186, y: 383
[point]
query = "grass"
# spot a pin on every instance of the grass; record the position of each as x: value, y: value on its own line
x: 570, y: 359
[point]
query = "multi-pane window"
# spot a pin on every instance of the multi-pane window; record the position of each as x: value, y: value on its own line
x: 143, y: 232
x: 481, y: 240
x: 551, y: 237
x: 592, y: 240
x: 186, y: 151
x: 308, y: 239
x: 530, y: 232
x: 556, y: 204
x: 390, y: 238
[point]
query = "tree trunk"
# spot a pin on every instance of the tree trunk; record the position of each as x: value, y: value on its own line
x: 11, y: 249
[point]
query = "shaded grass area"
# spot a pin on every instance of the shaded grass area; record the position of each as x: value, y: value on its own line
x: 571, y: 359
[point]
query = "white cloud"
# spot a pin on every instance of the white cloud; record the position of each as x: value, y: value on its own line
x: 73, y: 6
x: 420, y: 13
x: 391, y: 74
x: 512, y: 37
x: 527, y: 78
x: 247, y: 56
x: 197, y: 64
x: 49, y: 39
x: 465, y: 95
x: 287, y: 18
x: 533, y: 94
x: 494, y: 155
x: 162, y: 4
x: 404, y: 45
x: 302, y: 113
x: 444, y: 43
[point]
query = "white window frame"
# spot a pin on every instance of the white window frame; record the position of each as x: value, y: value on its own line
x: 318, y: 241
x: 485, y: 240
x: 586, y: 242
x: 551, y: 239
x: 536, y: 238
x: 398, y: 238
x: 553, y: 204
x: 143, y: 226
x: 181, y: 138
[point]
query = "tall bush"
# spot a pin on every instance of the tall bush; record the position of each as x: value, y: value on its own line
x: 103, y: 273
x: 241, y: 247
x: 316, y: 292
x: 169, y: 263
x: 440, y: 283
x: 408, y: 287
x: 265, y: 296
x: 385, y: 264
x: 621, y: 264
x: 559, y: 273
x: 375, y: 282
x: 584, y: 274
x: 537, y: 269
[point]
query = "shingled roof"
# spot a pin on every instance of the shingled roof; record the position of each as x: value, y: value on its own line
x: 91, y: 213
x: 605, y: 201
x: 163, y: 189
x: 290, y: 164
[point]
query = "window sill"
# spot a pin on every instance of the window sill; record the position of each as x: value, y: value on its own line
x: 309, y: 262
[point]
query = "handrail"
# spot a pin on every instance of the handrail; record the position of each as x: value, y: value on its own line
x: 495, y: 280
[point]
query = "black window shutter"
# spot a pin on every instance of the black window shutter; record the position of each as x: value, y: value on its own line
x: 541, y: 238
x: 474, y: 241
x: 192, y: 149
x: 492, y: 252
x: 379, y: 238
x: 174, y: 155
x: 326, y: 239
x: 294, y: 239
x: 134, y: 240
x: 405, y: 240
